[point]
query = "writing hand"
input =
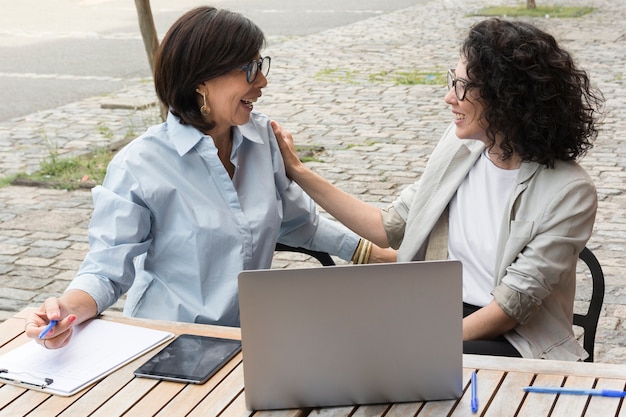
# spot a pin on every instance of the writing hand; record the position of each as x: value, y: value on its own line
x: 39, y: 322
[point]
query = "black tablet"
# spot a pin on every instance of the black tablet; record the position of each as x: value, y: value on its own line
x: 190, y: 359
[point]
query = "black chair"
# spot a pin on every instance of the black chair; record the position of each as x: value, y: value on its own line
x: 324, y: 258
x: 589, y: 321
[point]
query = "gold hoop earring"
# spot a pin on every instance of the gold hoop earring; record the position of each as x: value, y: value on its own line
x: 204, y: 109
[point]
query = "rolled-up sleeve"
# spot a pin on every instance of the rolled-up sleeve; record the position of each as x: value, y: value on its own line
x: 544, y: 252
x: 394, y: 226
x: 515, y: 304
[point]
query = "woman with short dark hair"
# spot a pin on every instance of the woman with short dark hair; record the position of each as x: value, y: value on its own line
x: 194, y: 201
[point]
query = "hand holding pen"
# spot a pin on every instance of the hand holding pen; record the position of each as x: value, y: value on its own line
x: 47, y: 326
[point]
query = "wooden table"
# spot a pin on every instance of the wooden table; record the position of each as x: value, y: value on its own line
x: 500, y: 382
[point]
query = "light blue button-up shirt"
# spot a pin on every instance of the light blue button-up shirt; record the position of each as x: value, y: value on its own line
x: 173, y: 230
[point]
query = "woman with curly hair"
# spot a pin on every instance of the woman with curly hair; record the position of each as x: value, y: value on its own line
x: 501, y: 192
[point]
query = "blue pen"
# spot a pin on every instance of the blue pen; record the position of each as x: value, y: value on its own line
x: 576, y: 391
x: 45, y: 331
x: 474, y: 400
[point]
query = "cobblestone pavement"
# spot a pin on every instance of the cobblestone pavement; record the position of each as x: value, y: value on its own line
x: 335, y: 89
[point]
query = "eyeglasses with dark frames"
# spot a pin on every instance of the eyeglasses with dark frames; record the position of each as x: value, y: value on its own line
x: 252, y: 69
x: 459, y: 84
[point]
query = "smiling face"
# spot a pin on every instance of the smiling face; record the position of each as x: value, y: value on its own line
x: 230, y: 98
x: 467, y: 113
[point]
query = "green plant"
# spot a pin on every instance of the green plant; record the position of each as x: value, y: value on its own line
x: 105, y: 131
x: 415, y: 77
x: 83, y: 171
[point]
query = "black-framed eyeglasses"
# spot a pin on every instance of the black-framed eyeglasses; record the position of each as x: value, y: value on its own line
x: 459, y: 84
x: 252, y: 69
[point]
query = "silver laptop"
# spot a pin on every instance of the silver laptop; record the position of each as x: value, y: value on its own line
x: 351, y: 334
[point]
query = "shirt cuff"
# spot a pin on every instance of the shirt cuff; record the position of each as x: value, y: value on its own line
x: 517, y: 305
x: 92, y: 285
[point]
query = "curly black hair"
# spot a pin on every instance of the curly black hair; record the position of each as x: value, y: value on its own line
x: 536, y: 101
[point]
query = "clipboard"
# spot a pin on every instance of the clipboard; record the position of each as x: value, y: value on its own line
x: 98, y: 347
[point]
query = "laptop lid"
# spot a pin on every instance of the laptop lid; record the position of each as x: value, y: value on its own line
x: 351, y: 334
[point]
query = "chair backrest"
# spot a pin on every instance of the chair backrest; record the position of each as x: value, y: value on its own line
x: 324, y: 258
x: 589, y: 321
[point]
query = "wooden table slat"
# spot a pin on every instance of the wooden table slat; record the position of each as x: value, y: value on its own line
x: 622, y: 411
x: 540, y: 404
x: 24, y: 404
x: 404, y: 409
x: 283, y: 413
x: 155, y: 400
x: 606, y: 405
x: 177, y: 327
x: 219, y: 398
x: 506, y: 399
x: 237, y: 408
x: 124, y: 399
x: 487, y: 382
x: 345, y: 411
x: 573, y: 405
x: 11, y: 328
x: 540, y: 366
x: 437, y: 408
x: 377, y: 410
x: 9, y: 393
x: 192, y: 394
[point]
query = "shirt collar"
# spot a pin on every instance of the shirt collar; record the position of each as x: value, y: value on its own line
x: 186, y: 137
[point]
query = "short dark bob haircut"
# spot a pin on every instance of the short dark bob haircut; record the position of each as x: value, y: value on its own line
x: 202, y: 44
x: 535, y: 99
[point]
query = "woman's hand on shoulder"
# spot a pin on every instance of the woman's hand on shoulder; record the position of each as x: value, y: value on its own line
x: 287, y: 148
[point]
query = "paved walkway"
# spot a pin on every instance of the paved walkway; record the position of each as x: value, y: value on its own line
x: 334, y: 89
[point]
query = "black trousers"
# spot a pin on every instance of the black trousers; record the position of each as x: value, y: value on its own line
x: 496, y: 347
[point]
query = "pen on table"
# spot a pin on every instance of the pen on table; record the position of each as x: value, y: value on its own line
x: 45, y: 331
x: 576, y: 391
x: 474, y: 400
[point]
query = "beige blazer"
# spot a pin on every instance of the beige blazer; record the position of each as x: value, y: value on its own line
x: 549, y: 220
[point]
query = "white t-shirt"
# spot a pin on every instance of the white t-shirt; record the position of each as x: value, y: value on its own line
x: 476, y: 213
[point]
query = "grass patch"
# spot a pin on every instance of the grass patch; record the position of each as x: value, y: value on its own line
x: 539, y: 11
x: 338, y: 74
x: 411, y: 77
x: 85, y: 171
x: 414, y: 77
x: 309, y: 153
x: 82, y: 171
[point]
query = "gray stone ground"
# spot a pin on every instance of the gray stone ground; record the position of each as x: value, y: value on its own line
x: 334, y: 89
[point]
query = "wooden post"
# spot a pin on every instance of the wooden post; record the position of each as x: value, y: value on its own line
x: 148, y: 30
x: 150, y: 38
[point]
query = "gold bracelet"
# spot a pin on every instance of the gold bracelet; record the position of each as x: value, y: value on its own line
x: 357, y: 251
x: 361, y: 255
x: 368, y: 252
x: 362, y: 252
